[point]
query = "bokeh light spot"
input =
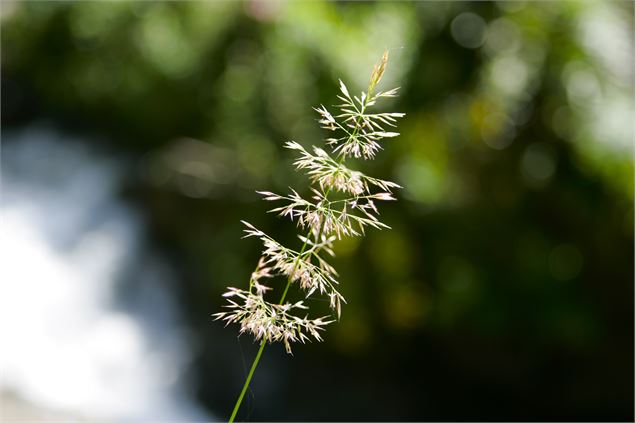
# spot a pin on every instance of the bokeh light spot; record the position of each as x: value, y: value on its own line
x: 538, y: 164
x: 405, y: 308
x: 422, y: 181
x: 498, y: 130
x: 456, y: 274
x: 352, y: 333
x: 565, y: 262
x: 468, y: 30
x: 510, y: 75
x: 583, y: 88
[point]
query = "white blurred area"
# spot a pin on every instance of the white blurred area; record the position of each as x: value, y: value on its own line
x: 71, y: 347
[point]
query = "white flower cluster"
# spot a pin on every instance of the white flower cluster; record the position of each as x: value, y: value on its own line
x: 357, y: 135
x: 329, y: 173
x: 296, y: 266
x: 360, y: 130
x: 326, y: 217
x: 271, y: 322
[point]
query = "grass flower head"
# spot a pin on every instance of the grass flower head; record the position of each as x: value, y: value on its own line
x: 355, y: 132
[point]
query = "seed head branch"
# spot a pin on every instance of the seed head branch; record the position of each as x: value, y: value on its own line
x: 356, y: 133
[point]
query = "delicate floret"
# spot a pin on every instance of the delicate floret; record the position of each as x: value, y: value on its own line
x: 270, y: 322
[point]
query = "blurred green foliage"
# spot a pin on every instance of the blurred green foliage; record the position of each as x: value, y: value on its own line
x: 504, y: 290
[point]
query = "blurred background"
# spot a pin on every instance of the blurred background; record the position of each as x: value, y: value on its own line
x: 134, y: 135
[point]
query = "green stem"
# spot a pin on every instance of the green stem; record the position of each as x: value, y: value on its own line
x: 248, y: 380
x: 264, y: 342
